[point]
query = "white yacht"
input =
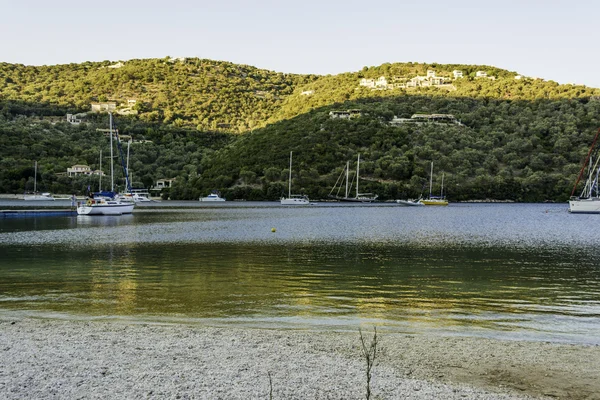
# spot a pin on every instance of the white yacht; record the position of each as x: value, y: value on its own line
x: 214, y: 196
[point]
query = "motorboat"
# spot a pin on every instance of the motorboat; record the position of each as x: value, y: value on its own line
x: 214, y: 196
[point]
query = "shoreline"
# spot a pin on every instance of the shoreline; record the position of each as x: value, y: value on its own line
x: 45, y: 358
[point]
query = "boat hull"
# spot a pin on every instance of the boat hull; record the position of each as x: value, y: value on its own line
x: 38, y: 197
x: 435, y: 202
x: 212, y: 199
x: 585, y: 206
x: 108, y: 208
x: 409, y: 203
x: 294, y: 202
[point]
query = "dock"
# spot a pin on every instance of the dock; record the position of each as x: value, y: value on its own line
x: 36, y: 213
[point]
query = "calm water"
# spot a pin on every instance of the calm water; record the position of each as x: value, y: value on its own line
x: 497, y: 270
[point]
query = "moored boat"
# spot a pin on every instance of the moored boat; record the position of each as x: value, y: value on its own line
x: 360, y: 197
x: 293, y: 199
x: 588, y: 202
x: 410, y: 203
x: 106, y: 203
x: 35, y: 195
x: 435, y: 200
x: 214, y: 196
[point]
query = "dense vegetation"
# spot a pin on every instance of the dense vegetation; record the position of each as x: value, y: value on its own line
x: 223, y: 126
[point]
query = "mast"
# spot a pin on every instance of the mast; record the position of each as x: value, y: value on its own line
x: 100, y: 174
x: 442, y: 189
x: 127, y: 181
x: 347, y: 170
x: 290, y: 179
x: 35, y: 177
x: 357, y: 169
x: 431, y: 180
x: 112, y: 181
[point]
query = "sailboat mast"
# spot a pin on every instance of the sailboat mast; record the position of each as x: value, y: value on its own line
x: 100, y: 174
x: 35, y: 177
x: 290, y: 179
x: 442, y: 189
x: 357, y: 169
x: 127, y: 178
x: 112, y: 182
x: 431, y: 180
x: 347, y: 173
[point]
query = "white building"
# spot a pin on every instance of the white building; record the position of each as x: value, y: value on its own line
x: 308, y: 93
x: 164, y: 183
x: 71, y: 118
x: 82, y: 170
x: 481, y: 74
x: 381, y: 82
x: 103, y: 107
x: 457, y: 74
x: 367, y: 82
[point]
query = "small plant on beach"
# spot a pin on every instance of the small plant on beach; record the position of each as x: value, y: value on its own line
x: 270, y: 386
x: 369, y: 353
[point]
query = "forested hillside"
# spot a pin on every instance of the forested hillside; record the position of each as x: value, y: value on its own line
x: 217, y: 125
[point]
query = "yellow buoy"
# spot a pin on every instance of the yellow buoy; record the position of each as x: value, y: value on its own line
x: 273, y: 230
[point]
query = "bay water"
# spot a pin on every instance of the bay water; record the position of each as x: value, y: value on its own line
x: 512, y: 271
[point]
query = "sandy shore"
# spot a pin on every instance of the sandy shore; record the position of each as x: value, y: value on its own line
x: 76, y: 359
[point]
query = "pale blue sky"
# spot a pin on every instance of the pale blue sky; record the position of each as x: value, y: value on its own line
x: 553, y: 39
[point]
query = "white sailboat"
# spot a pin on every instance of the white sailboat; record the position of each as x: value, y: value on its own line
x: 293, y: 199
x: 588, y: 202
x: 37, y: 196
x: 105, y: 203
x: 435, y: 200
x: 360, y: 197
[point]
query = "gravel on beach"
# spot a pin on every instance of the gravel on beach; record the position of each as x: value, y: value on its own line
x: 46, y: 358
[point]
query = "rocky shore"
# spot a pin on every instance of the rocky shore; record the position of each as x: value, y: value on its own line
x: 115, y: 359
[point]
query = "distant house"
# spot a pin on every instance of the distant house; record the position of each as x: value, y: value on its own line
x: 73, y: 120
x: 367, y: 82
x: 425, y: 118
x: 164, y: 183
x: 117, y: 65
x: 79, y: 169
x: 103, y: 107
x: 381, y: 82
x: 481, y: 74
x: 457, y: 74
x: 308, y: 93
x: 347, y: 114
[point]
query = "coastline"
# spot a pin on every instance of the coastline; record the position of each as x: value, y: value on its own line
x: 44, y: 358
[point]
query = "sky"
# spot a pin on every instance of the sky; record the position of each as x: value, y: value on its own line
x: 553, y: 39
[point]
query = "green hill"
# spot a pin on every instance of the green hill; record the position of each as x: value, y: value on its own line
x: 217, y: 125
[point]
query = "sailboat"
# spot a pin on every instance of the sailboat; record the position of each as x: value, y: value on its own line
x: 37, y: 196
x: 588, y: 202
x: 435, y: 200
x: 360, y: 197
x: 106, y: 203
x: 293, y: 199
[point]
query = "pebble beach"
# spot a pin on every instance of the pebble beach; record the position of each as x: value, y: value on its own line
x: 72, y: 359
